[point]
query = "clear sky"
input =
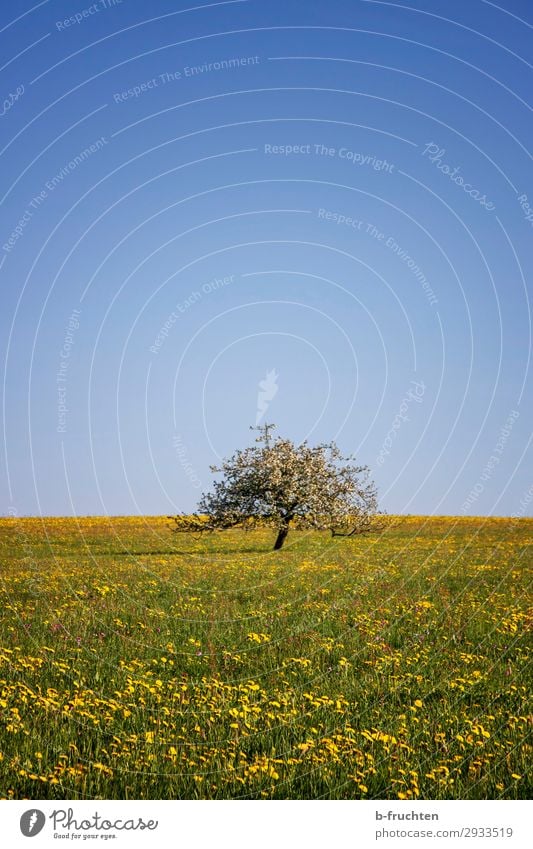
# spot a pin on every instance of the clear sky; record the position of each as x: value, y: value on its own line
x: 313, y: 213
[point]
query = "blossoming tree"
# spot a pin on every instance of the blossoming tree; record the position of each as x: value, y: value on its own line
x: 283, y: 485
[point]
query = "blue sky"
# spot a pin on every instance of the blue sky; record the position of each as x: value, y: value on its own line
x: 194, y: 197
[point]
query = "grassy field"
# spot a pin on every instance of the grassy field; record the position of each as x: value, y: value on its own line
x: 137, y: 663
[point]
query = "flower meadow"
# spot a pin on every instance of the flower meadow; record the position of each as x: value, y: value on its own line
x: 141, y: 664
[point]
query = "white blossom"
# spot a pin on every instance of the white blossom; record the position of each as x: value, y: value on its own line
x: 280, y: 484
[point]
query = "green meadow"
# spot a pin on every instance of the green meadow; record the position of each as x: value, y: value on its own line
x: 138, y: 663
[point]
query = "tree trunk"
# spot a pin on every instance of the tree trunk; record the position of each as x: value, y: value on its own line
x: 282, y: 535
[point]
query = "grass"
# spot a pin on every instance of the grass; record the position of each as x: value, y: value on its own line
x: 137, y: 663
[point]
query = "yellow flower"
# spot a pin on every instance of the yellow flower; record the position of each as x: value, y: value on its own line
x: 103, y: 768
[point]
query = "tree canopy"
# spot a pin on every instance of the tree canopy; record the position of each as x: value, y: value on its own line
x: 283, y: 485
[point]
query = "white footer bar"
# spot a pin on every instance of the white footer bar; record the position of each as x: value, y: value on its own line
x: 268, y: 824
